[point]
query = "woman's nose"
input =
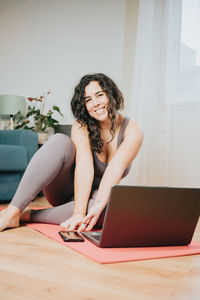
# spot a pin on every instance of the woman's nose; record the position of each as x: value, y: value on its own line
x: 95, y: 101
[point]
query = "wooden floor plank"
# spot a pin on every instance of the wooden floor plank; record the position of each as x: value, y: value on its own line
x: 32, y: 266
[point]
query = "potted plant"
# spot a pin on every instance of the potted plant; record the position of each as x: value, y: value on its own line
x: 36, y: 119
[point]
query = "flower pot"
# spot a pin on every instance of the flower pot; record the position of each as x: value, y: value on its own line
x: 42, y: 137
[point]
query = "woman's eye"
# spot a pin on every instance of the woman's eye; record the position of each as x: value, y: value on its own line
x: 100, y: 94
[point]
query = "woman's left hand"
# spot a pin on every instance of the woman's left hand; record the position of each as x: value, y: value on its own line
x: 92, y: 217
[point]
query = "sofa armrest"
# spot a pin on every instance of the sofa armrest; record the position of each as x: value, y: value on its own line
x: 13, y: 158
x: 26, y: 138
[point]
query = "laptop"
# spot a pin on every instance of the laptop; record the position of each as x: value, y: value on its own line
x: 142, y: 216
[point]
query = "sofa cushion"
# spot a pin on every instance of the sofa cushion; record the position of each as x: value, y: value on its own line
x: 13, y: 158
x: 9, y: 182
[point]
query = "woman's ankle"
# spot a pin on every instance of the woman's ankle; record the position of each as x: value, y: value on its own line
x: 10, y: 217
x: 25, y: 216
x: 13, y: 210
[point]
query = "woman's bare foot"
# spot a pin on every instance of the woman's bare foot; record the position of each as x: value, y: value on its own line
x: 9, y: 217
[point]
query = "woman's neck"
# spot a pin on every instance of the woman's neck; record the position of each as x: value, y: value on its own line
x: 106, y: 125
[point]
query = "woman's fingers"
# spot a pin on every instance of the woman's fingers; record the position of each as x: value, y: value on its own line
x: 72, y: 226
x: 86, y: 224
x: 64, y: 225
x: 87, y: 218
x: 68, y: 226
x: 64, y: 228
x: 91, y: 223
x: 81, y: 227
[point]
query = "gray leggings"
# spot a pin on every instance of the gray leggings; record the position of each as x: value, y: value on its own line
x: 51, y: 169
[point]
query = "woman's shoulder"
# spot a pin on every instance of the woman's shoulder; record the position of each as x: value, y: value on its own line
x: 79, y: 131
x: 76, y: 126
x: 133, y: 127
x: 131, y: 123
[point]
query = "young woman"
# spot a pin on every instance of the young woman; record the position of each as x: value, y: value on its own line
x: 76, y: 175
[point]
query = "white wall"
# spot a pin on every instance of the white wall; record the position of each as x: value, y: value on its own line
x: 48, y: 44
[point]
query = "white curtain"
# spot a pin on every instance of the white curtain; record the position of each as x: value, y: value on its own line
x: 167, y: 156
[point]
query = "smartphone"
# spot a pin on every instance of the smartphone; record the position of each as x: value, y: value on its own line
x: 71, y: 236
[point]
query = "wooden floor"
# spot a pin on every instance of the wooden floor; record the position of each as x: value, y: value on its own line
x: 32, y: 266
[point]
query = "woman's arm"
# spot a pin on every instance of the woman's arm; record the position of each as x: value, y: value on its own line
x: 125, y: 154
x: 84, y: 175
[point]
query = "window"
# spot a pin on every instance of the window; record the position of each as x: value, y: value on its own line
x: 183, y: 57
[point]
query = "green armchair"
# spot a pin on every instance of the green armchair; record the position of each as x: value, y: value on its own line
x: 16, y: 149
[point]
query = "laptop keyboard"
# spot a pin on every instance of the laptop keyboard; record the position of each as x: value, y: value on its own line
x: 96, y: 235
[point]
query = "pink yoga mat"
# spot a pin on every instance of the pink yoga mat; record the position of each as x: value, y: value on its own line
x: 114, y: 255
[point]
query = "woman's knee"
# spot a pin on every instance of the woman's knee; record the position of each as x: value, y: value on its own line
x: 62, y: 140
x: 64, y: 143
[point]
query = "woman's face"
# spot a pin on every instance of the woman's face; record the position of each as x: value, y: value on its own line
x: 96, y: 101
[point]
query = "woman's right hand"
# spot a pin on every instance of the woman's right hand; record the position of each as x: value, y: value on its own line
x: 73, y: 223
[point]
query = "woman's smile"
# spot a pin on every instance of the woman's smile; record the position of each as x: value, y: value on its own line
x: 100, y: 110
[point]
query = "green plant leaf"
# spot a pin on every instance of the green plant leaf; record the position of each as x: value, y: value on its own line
x: 56, y: 108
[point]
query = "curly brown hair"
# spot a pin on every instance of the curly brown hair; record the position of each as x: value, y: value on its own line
x: 116, y: 102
